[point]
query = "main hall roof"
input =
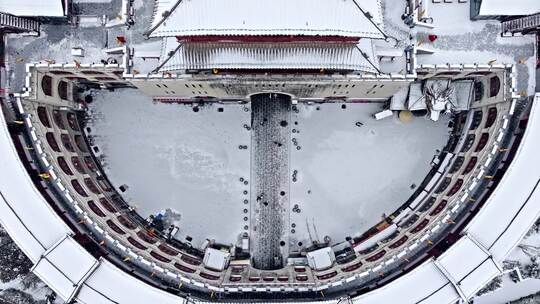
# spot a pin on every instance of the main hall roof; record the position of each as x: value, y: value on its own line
x: 347, y: 18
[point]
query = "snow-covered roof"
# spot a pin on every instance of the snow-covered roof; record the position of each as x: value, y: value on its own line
x: 514, y: 204
x: 34, y: 8
x: 457, y: 264
x: 216, y: 259
x: 458, y: 273
x: 509, y: 8
x: 321, y: 258
x: 24, y: 212
x: 267, y: 56
x: 347, y: 18
x: 419, y: 285
x: 468, y: 265
x: 109, y: 284
x: 64, y: 266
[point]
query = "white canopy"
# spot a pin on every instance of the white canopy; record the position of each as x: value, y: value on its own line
x: 321, y: 258
x: 348, y: 18
x: 216, y: 259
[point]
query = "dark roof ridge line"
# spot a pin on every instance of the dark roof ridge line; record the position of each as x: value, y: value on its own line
x: 370, y: 19
x: 152, y: 29
x: 169, y: 56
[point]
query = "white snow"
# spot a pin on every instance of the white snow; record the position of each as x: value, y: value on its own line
x: 193, y: 164
x: 56, y: 51
x: 454, y: 18
x: 352, y: 175
x: 11, y: 284
x: 108, y: 284
x: 461, y: 40
x: 518, y: 254
x: 137, y: 4
x: 462, y: 258
x: 481, y: 57
x: 424, y: 284
x: 38, y: 292
x: 482, y: 274
x: 172, y: 157
x: 148, y: 49
x: 36, y: 230
x: 514, y: 204
x: 70, y: 259
x: 277, y: 17
x: 509, y: 291
x: 456, y: 57
x: 53, y: 277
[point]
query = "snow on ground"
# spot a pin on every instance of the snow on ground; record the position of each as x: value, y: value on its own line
x: 509, y: 291
x: 512, y: 291
x: 38, y: 292
x: 394, y: 27
x: 352, y: 175
x: 11, y: 284
x: 59, y: 40
x: 518, y: 255
x: 54, y: 44
x: 56, y: 40
x: 193, y: 164
x: 393, y: 24
x: 173, y: 157
x: 461, y: 40
x: 454, y: 18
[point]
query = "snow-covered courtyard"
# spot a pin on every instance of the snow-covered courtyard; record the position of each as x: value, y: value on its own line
x: 351, y: 169
x: 173, y: 157
x: 197, y: 164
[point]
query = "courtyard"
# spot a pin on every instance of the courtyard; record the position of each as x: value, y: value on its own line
x: 199, y: 165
